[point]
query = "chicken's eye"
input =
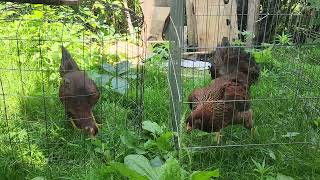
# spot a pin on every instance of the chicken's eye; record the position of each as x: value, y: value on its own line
x: 66, y: 81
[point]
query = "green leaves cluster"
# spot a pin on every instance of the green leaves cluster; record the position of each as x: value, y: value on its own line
x: 116, y: 77
x: 264, y: 171
x: 139, y: 167
x: 155, y: 143
x: 155, y: 140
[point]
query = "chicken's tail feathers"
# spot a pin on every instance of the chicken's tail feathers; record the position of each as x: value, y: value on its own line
x: 67, y: 62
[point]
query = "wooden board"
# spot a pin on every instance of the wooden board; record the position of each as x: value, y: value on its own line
x: 253, y: 14
x: 211, y: 22
x: 191, y: 24
x: 155, y: 14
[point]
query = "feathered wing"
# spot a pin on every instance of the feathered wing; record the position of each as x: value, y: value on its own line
x: 229, y: 59
x: 224, y: 102
x: 208, y: 113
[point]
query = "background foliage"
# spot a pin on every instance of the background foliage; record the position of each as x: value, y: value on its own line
x: 35, y: 143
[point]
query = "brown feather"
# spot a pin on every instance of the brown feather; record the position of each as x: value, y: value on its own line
x: 223, y: 102
x: 227, y: 59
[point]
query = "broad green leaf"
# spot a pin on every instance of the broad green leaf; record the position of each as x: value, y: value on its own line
x: 108, y: 67
x: 152, y: 127
x: 104, y: 79
x: 163, y: 142
x: 129, y: 139
x: 120, y: 85
x: 125, y: 171
x: 283, y: 177
x: 149, y: 144
x: 130, y: 75
x: 272, y: 155
x: 205, y: 175
x: 123, y: 67
x: 141, y: 165
x: 132, y: 141
x: 156, y: 162
x: 94, y: 75
x: 100, y: 79
x: 270, y: 178
x: 258, y: 165
x: 171, y: 170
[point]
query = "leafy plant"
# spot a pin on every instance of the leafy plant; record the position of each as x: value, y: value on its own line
x: 284, y: 39
x: 160, y: 53
x: 101, y: 149
x: 279, y: 176
x: 198, y: 175
x: 133, y: 141
x: 156, y: 141
x: 265, y: 56
x: 139, y: 167
x: 115, y: 77
x: 247, y: 35
x: 261, y: 169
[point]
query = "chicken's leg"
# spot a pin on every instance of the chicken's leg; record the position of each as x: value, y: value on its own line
x: 69, y: 117
x: 245, y: 118
x: 218, y: 136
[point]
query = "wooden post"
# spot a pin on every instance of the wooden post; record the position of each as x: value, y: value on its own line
x: 253, y: 13
x: 130, y: 26
x: 191, y: 23
x: 47, y: 2
x: 215, y: 19
x: 155, y: 13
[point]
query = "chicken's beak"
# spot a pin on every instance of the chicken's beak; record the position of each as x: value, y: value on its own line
x: 189, y: 128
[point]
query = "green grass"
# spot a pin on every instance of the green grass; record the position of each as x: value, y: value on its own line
x: 37, y: 140
x: 59, y: 151
x: 282, y: 103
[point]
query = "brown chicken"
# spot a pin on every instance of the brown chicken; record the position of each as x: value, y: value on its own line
x: 227, y: 59
x: 78, y: 93
x: 224, y: 102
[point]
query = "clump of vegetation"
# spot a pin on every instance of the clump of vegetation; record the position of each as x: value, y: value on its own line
x: 37, y: 140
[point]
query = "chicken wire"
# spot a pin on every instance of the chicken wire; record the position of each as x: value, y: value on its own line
x: 293, y: 103
x: 32, y: 117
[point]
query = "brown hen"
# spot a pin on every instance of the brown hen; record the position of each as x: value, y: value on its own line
x: 224, y: 102
x: 78, y: 93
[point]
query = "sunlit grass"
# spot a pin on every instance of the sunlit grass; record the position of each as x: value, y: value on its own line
x: 37, y: 140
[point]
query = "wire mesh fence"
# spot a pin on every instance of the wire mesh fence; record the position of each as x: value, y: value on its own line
x: 282, y: 42
x: 35, y: 126
x: 280, y: 37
